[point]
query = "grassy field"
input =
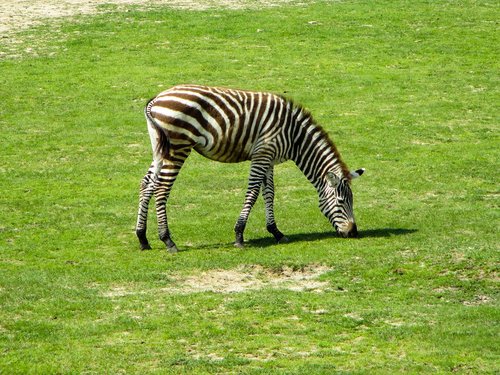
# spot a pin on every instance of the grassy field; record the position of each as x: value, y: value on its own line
x: 406, y: 89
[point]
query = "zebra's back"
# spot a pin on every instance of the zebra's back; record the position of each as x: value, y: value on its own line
x: 223, y: 124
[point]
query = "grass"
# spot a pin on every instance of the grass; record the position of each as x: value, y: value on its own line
x: 408, y: 90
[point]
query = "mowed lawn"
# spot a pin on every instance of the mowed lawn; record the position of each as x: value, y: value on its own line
x: 406, y: 89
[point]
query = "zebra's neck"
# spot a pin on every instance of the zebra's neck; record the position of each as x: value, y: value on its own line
x: 314, y: 152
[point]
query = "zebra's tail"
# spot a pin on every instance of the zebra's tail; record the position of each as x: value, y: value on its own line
x: 163, y: 145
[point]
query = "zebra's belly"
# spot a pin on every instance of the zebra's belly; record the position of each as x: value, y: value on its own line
x: 228, y: 154
x: 236, y: 155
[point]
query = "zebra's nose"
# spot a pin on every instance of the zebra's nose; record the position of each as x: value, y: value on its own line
x: 352, y: 230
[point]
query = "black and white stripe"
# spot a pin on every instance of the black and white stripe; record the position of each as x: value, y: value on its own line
x: 233, y: 126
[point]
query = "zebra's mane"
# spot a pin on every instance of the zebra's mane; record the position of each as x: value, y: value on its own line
x: 309, y: 120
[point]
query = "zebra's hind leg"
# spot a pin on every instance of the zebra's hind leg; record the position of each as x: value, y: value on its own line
x: 145, y: 193
x: 163, y: 184
x: 268, y: 194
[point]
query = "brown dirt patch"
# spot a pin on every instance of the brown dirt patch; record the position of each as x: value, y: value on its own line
x: 253, y: 277
x: 241, y: 279
x: 17, y: 15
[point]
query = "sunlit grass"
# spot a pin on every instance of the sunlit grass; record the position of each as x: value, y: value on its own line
x: 408, y: 90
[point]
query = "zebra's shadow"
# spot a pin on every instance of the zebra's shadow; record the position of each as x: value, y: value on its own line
x: 386, y: 232
x: 269, y: 241
x: 316, y: 236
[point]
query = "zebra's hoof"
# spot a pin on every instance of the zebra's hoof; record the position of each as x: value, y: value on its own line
x: 172, y: 249
x: 284, y: 239
x: 145, y: 246
x: 239, y: 245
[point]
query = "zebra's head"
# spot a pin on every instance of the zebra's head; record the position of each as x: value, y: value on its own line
x: 336, y: 203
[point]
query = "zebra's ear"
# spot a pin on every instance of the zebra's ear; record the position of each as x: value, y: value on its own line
x: 357, y: 173
x: 332, y: 179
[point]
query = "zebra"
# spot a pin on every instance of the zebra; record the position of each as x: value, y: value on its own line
x: 232, y: 126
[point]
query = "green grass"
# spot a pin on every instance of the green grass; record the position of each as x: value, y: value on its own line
x: 408, y: 90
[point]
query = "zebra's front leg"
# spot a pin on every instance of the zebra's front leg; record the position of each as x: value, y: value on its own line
x: 250, y: 198
x: 268, y: 194
x: 254, y: 182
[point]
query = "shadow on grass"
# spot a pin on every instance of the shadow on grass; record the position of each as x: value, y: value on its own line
x: 386, y: 232
x: 306, y: 237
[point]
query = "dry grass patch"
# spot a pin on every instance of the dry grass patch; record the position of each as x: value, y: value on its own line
x: 22, y: 14
x: 18, y: 16
x: 241, y: 279
x: 251, y: 277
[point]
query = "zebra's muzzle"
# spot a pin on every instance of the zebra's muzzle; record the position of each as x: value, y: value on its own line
x: 351, y: 231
